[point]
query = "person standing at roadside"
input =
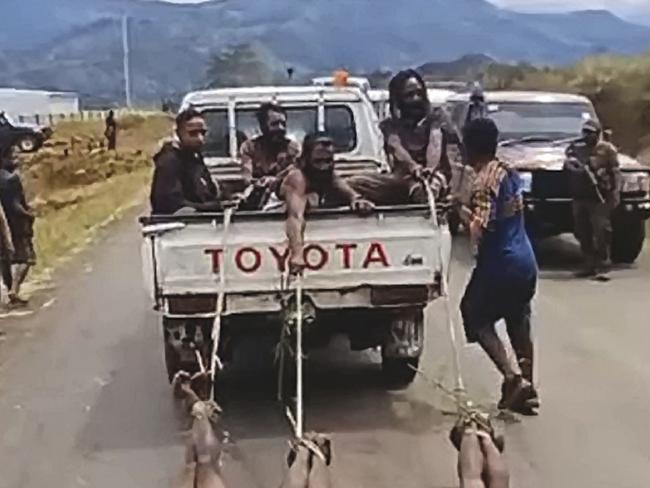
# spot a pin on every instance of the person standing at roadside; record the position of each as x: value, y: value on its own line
x: 111, y: 131
x: 21, y: 223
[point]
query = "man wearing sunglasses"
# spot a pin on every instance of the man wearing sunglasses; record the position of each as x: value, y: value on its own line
x: 181, y: 180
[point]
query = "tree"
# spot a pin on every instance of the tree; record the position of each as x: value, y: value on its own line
x: 238, y: 65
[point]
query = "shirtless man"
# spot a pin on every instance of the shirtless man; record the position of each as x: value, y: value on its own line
x: 270, y: 156
x: 314, y: 183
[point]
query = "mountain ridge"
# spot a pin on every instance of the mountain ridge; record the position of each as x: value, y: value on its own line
x: 76, y: 44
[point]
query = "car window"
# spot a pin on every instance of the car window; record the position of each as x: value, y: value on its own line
x: 554, y: 120
x: 339, y: 123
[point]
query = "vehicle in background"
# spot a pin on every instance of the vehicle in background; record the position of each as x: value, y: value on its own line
x: 536, y: 129
x: 28, y: 137
x: 29, y: 103
x: 369, y: 278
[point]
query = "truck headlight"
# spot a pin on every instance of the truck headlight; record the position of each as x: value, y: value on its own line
x: 526, y: 182
x: 636, y: 183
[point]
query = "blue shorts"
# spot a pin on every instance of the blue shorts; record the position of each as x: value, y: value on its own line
x: 489, y: 299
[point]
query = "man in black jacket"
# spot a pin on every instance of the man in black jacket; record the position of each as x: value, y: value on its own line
x: 181, y: 179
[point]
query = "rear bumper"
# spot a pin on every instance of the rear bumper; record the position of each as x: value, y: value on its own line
x: 377, y: 297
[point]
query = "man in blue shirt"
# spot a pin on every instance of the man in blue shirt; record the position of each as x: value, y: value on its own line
x: 504, y: 280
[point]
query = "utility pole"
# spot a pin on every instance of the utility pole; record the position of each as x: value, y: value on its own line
x: 127, y: 67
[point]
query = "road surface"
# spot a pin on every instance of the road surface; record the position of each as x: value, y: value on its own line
x: 84, y: 400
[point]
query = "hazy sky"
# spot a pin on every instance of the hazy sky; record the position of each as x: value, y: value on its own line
x: 614, y: 5
x: 622, y: 7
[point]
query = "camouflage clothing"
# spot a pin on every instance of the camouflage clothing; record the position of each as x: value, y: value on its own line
x: 600, y: 161
x: 592, y: 209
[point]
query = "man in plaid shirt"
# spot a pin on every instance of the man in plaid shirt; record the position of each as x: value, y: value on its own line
x: 504, y: 280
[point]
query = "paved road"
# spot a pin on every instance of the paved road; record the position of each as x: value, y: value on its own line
x: 84, y: 402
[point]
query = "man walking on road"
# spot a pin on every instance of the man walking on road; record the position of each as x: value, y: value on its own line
x: 504, y: 279
x: 595, y: 182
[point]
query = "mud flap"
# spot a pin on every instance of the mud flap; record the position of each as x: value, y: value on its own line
x: 405, y: 336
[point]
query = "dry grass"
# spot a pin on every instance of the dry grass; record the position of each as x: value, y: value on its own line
x: 69, y: 229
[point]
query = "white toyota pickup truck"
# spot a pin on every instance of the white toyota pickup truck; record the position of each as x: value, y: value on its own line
x: 369, y: 278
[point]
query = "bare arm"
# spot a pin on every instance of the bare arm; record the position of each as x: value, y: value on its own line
x: 294, y: 192
x: 5, y: 234
x: 402, y: 160
x: 434, y: 148
x: 344, y: 190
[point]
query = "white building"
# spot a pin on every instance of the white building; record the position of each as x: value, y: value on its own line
x: 16, y: 103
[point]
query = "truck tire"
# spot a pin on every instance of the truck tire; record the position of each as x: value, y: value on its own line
x: 28, y: 144
x: 398, y: 373
x: 172, y: 362
x: 628, y: 237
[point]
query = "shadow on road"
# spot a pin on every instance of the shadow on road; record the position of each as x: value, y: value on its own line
x: 344, y: 393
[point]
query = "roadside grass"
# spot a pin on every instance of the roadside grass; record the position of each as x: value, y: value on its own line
x: 76, y: 187
x: 66, y: 231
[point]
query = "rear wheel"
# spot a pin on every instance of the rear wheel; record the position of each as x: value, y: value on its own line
x: 399, y: 372
x: 629, y: 232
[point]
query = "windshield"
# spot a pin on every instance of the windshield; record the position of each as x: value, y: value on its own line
x: 545, y: 120
x: 339, y: 123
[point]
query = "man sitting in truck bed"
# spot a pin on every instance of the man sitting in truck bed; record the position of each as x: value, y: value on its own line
x: 181, y: 180
x: 312, y: 184
x: 415, y: 138
x: 266, y: 159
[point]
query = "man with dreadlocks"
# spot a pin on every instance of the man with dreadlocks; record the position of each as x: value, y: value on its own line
x: 415, y: 141
x: 312, y: 184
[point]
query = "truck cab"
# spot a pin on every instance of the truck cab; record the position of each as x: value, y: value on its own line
x: 536, y: 129
x: 345, y: 112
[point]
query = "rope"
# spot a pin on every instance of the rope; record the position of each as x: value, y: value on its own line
x: 299, y: 385
x: 451, y: 326
x: 215, y: 361
x: 296, y: 421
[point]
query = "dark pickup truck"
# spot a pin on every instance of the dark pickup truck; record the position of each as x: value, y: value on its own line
x: 27, y: 137
x: 536, y: 129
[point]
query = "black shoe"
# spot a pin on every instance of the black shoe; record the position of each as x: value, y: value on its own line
x: 515, y: 393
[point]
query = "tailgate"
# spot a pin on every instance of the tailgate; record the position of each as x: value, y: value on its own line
x: 343, y: 251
